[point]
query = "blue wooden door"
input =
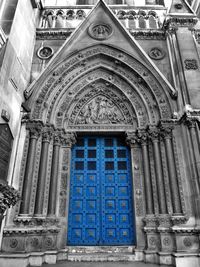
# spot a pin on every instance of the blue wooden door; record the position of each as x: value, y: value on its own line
x: 101, y: 204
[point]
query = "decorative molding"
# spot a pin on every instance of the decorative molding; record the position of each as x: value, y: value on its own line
x: 65, y: 82
x: 180, y: 22
x: 191, y: 64
x: 53, y: 34
x: 148, y: 34
x: 35, y: 221
x: 30, y: 231
x: 179, y: 219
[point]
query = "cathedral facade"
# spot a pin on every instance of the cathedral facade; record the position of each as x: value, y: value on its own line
x: 99, y: 131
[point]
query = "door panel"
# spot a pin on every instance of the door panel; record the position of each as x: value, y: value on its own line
x: 100, y: 208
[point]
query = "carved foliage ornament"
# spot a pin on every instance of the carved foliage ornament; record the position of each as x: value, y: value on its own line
x: 100, y: 31
x: 9, y: 197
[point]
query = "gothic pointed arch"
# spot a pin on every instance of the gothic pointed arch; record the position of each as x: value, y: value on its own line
x: 80, y: 77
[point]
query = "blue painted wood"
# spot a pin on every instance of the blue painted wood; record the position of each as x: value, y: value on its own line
x: 101, y: 204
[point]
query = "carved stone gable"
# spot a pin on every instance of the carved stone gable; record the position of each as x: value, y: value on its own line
x: 100, y: 110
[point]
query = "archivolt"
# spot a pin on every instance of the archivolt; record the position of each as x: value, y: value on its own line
x: 146, y: 99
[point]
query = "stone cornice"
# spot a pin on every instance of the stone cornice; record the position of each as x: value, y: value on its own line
x: 25, y: 231
x: 52, y: 34
x: 179, y: 21
x: 63, y: 34
x: 190, y: 116
x: 148, y: 34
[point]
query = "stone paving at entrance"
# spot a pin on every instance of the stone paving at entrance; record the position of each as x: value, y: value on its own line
x: 102, y: 264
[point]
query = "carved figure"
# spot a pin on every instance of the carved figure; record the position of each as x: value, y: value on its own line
x: 100, y: 31
x: 100, y: 111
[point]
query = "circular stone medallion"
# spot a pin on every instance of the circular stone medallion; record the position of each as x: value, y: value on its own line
x: 100, y: 31
x: 45, y: 52
x: 156, y: 53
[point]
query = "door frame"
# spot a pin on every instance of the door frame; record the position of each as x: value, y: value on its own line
x: 137, y: 190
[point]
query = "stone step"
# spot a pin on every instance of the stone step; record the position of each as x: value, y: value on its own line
x: 101, y: 257
x: 100, y: 249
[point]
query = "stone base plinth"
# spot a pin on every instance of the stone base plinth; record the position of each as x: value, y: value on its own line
x: 186, y: 259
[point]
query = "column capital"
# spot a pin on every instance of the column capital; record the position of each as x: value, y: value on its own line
x: 69, y: 139
x: 131, y: 138
x: 35, y: 129
x: 57, y: 139
x: 47, y: 134
x: 190, y: 122
x: 153, y: 133
x: 143, y: 136
x: 35, y: 132
x: 166, y: 131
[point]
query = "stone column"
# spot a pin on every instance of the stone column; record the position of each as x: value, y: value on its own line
x: 167, y: 135
x: 195, y: 150
x: 29, y: 171
x: 154, y: 135
x: 39, y: 202
x: 54, y: 18
x: 143, y: 138
x: 138, y: 187
x: 54, y: 176
x: 68, y: 140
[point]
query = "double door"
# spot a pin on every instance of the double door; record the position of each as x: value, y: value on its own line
x: 101, y: 204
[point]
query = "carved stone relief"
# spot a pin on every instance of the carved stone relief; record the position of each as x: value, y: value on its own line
x: 156, y: 53
x: 191, y: 64
x: 100, y: 110
x: 100, y: 105
x: 100, y: 31
x: 79, y: 62
x: 45, y: 52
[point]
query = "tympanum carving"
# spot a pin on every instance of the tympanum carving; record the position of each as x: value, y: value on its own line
x: 100, y: 110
